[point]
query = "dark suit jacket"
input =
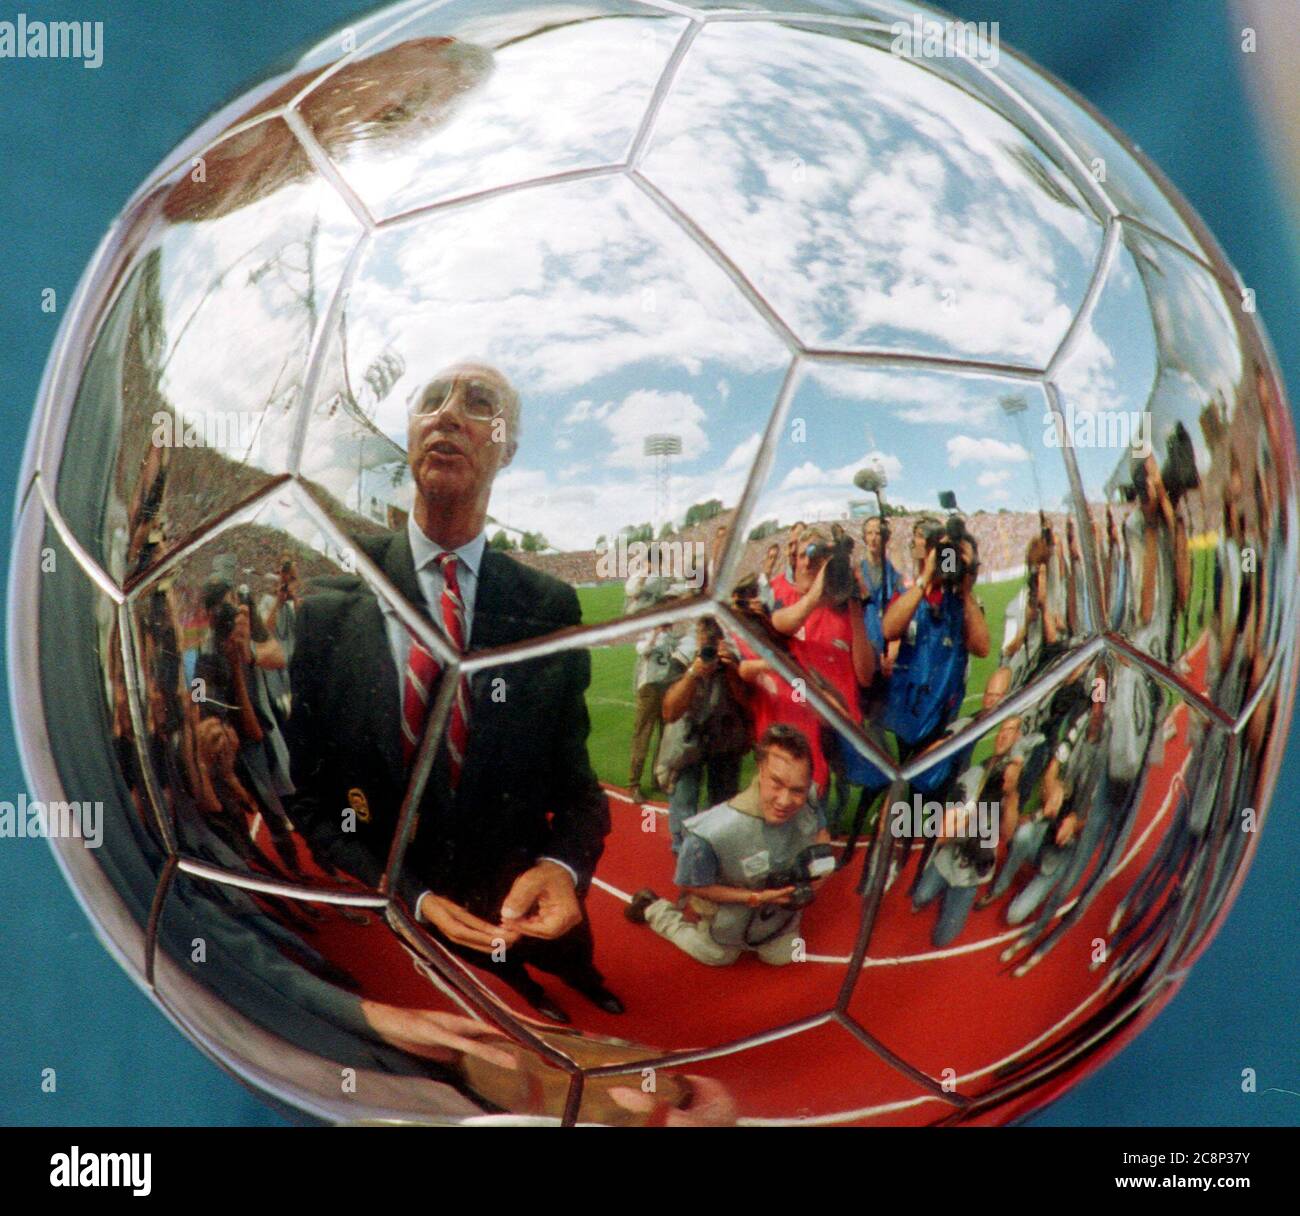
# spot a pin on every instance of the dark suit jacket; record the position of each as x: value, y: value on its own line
x: 527, y: 789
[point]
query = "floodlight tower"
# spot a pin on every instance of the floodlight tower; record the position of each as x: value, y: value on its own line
x: 1015, y: 407
x: 661, y: 449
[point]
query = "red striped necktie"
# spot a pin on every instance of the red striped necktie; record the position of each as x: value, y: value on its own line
x: 422, y: 671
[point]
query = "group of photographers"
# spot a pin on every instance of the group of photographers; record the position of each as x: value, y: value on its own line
x: 882, y: 650
x: 890, y: 651
x: 239, y: 674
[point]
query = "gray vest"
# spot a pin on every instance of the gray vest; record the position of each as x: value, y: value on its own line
x: 748, y: 849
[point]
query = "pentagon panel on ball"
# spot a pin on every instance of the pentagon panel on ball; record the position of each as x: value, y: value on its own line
x: 645, y: 562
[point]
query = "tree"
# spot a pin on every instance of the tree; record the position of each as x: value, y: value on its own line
x: 640, y: 532
x: 702, y: 511
x: 533, y: 542
x: 666, y: 531
x: 502, y: 542
x: 764, y: 530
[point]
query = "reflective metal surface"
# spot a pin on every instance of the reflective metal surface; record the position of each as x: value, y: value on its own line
x: 948, y: 483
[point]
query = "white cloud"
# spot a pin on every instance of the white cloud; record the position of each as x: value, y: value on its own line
x: 811, y: 474
x: 917, y: 218
x: 744, y: 453
x: 550, y: 285
x: 963, y: 448
x: 652, y: 412
x: 578, y: 412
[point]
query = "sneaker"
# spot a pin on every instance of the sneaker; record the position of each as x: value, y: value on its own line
x: 634, y: 792
x: 635, y: 911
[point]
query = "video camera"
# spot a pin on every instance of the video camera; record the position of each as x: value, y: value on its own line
x: 816, y: 861
x: 1180, y: 473
x: 839, y: 583
x: 951, y: 563
x: 979, y: 856
x: 223, y: 621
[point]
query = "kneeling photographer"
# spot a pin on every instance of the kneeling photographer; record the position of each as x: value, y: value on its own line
x: 940, y: 623
x: 748, y: 866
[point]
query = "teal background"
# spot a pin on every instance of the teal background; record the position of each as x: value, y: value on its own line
x: 76, y: 142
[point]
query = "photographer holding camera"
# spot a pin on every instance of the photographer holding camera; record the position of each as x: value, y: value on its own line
x: 1159, y: 555
x: 704, y: 701
x: 230, y: 671
x: 279, y: 611
x: 939, y: 623
x: 748, y: 866
x: 1040, y: 636
x: 825, y: 623
x: 880, y: 581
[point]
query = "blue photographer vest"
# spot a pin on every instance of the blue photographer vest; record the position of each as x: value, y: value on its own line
x: 929, y: 680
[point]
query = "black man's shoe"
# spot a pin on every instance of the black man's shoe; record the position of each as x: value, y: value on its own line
x: 547, y: 1007
x: 635, y: 911
x: 600, y: 996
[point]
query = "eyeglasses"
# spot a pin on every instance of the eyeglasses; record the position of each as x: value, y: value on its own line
x: 480, y: 399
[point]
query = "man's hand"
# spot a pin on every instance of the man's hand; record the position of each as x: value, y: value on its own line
x: 702, y: 667
x: 431, y: 1034
x: 777, y: 895
x: 236, y: 647
x: 542, y: 902
x: 968, y: 556
x: 217, y: 745
x: 711, y: 1104
x: 928, y: 570
x: 462, y: 927
x: 1065, y: 829
x: 818, y: 588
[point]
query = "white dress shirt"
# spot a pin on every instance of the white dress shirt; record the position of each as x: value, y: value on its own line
x: 428, y: 574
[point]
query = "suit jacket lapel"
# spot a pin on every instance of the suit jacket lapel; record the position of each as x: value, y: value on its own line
x: 396, y: 561
x: 492, y: 599
x: 368, y: 649
x: 392, y: 554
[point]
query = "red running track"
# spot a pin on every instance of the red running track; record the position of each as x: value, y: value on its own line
x: 959, y: 1009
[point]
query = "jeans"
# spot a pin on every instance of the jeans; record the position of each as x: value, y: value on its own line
x: 957, y: 903
x: 1039, y: 888
x: 724, y: 783
x: 1024, y: 846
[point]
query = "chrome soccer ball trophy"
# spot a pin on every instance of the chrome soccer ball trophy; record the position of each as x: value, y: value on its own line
x: 861, y: 670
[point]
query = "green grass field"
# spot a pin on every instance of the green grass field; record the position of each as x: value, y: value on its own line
x: 610, y: 697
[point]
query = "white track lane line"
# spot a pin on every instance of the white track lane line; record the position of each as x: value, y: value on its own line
x: 987, y: 943
x: 871, y: 1112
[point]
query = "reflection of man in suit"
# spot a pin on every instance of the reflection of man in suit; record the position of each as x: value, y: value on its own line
x: 512, y: 820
